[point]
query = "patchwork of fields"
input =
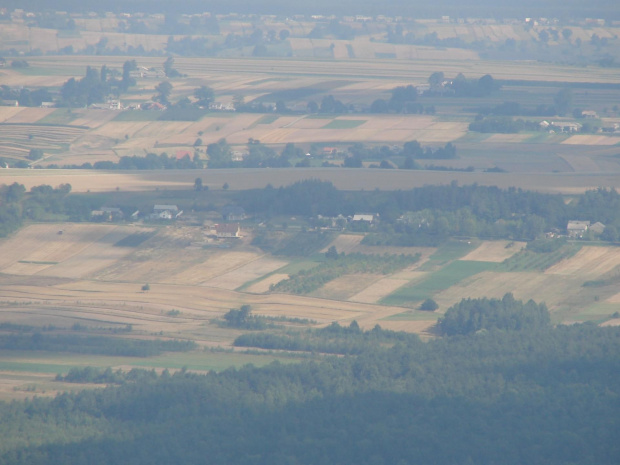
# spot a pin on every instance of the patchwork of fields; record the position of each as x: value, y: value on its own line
x: 89, y: 267
x: 92, y: 275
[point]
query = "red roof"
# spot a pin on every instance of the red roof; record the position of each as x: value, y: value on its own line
x: 182, y: 154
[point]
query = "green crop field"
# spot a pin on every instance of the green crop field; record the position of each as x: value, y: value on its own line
x: 344, y: 124
x: 436, y: 282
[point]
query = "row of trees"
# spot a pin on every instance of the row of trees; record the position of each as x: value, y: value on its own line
x: 427, y: 215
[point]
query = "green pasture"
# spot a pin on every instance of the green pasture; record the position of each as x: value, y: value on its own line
x: 138, y: 115
x: 268, y: 119
x: 413, y: 315
x: 436, y: 282
x: 451, y: 250
x: 59, y: 116
x: 344, y: 124
x: 50, y: 362
x: 527, y: 260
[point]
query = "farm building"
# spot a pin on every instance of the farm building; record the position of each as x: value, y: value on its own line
x: 107, y: 214
x: 597, y: 228
x: 228, y: 230
x: 577, y: 228
x: 367, y: 217
x: 165, y: 212
x: 566, y: 127
x: 233, y: 213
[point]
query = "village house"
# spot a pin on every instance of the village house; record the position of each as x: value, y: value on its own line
x: 165, y: 212
x: 577, y: 228
x: 233, y: 213
x: 367, y: 217
x: 597, y: 228
x: 107, y: 214
x: 226, y: 230
x: 566, y: 127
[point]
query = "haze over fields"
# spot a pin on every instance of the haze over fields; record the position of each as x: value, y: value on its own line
x: 309, y: 233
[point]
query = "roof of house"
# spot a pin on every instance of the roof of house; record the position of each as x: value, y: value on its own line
x: 578, y: 225
x: 597, y: 227
x: 232, y: 210
x: 227, y: 228
x: 182, y: 154
x: 364, y: 217
x: 111, y: 210
x: 172, y: 208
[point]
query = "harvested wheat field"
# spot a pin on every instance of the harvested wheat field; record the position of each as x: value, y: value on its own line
x: 343, y: 287
x: 581, y: 163
x: 588, y: 262
x: 494, y: 251
x: 29, y: 115
x: 264, y: 285
x: 345, y: 243
x: 80, y: 250
x: 126, y: 303
x: 551, y: 289
x: 377, y: 290
x: 592, y: 140
x: 246, y: 273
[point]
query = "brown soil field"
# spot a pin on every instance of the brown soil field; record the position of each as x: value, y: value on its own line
x: 588, y: 262
x: 263, y: 285
x: 343, y: 287
x: 494, y: 251
x: 512, y: 138
x: 7, y: 113
x: 29, y: 115
x: 348, y: 179
x: 581, y: 163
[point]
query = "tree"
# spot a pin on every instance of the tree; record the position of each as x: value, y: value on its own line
x: 284, y: 34
x: 198, y: 184
x: 204, y: 95
x: 567, y: 33
x: 225, y: 186
x: 128, y: 81
x: 332, y: 253
x: 169, y: 68
x: 435, y: 79
x: 163, y: 90
x: 238, y: 318
x: 563, y: 101
x: 429, y: 305
x: 35, y: 154
x: 146, y: 287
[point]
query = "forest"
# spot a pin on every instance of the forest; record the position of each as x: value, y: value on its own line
x: 541, y: 395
